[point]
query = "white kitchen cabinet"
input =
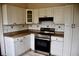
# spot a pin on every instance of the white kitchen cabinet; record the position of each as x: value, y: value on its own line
x: 71, y: 33
x: 59, y: 15
x: 57, y: 46
x: 14, y: 46
x: 29, y: 16
x: 75, y: 35
x: 20, y: 15
x: 42, y: 12
x: 75, y: 42
x: 9, y: 47
x: 13, y: 15
x: 35, y: 16
x: 67, y: 40
x: 48, y: 12
x: 27, y: 42
x: 68, y: 16
x: 76, y: 15
x: 45, y: 12
x: 17, y: 46
x: 52, y: 12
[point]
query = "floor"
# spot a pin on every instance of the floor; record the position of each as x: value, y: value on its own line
x: 32, y: 53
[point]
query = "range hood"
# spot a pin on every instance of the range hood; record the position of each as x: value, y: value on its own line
x: 42, y: 19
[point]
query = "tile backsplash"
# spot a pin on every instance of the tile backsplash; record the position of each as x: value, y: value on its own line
x: 14, y: 28
x: 58, y: 27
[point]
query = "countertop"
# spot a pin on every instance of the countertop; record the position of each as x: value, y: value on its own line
x: 29, y: 31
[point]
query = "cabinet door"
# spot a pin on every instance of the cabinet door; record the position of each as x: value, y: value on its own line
x: 35, y: 16
x: 19, y: 46
x: 27, y: 42
x: 9, y: 46
x: 67, y: 41
x: 68, y: 15
x: 48, y: 12
x: 56, y: 47
x: 76, y: 15
x: 59, y: 15
x: 20, y: 15
x: 42, y: 12
x: 11, y: 14
x: 29, y: 16
x: 52, y: 12
x: 75, y: 42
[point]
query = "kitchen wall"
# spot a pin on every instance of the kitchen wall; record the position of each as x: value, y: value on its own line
x: 14, y: 28
x: 58, y: 27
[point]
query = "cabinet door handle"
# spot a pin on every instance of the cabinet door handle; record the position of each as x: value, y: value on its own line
x: 73, y: 25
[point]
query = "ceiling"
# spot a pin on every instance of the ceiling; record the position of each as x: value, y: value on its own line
x: 36, y: 5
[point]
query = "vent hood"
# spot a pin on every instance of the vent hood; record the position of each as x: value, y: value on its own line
x: 42, y: 19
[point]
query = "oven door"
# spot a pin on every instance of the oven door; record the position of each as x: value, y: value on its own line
x: 42, y: 45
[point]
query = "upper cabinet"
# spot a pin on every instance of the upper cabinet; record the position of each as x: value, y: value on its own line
x: 59, y: 15
x: 48, y: 12
x: 13, y: 15
x: 76, y: 15
x: 35, y: 16
x: 68, y: 14
x: 56, y: 12
x: 45, y: 12
x: 42, y: 12
x: 29, y: 14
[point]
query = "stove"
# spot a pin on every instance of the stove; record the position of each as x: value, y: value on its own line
x: 43, y: 40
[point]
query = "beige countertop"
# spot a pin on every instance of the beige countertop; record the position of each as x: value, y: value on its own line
x: 29, y: 31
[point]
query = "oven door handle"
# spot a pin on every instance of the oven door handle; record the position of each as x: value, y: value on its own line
x: 42, y: 39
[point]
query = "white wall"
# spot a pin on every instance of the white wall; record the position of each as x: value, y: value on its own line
x: 14, y: 28
x: 47, y: 25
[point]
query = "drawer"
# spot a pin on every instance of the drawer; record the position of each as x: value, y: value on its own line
x: 56, y: 48
x: 60, y: 39
x: 57, y: 38
x: 53, y: 38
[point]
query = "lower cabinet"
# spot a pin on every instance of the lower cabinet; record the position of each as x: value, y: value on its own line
x: 27, y: 42
x: 17, y: 46
x: 57, y: 46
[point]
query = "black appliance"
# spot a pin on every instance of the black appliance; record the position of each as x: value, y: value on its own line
x: 45, y: 19
x: 43, y: 40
